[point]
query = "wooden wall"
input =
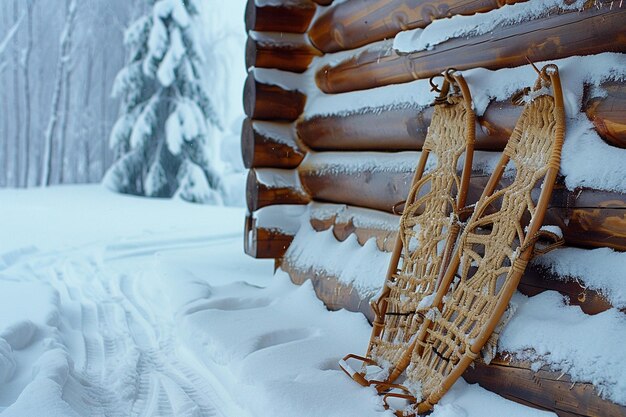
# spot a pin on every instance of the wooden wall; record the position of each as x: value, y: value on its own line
x: 288, y: 154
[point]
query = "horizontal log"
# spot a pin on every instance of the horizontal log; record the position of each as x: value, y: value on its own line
x: 588, y: 218
x: 357, y: 23
x: 377, y: 190
x: 271, y: 102
x: 608, y: 113
x: 323, y: 2
x: 284, y: 51
x: 266, y: 187
x: 594, y: 30
x: 270, y: 144
x: 405, y: 127
x: 543, y: 389
x: 292, y: 17
x: 400, y: 128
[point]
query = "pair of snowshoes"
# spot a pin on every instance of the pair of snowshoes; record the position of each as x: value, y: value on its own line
x: 454, y: 268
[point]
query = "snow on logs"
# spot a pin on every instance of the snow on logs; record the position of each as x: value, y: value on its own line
x: 353, y: 23
x: 594, y: 30
x: 284, y: 51
x: 264, y: 99
x: 366, y: 224
x: 281, y: 222
x: 292, y: 16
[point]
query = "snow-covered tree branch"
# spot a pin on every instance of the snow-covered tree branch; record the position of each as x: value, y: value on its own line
x: 166, y: 136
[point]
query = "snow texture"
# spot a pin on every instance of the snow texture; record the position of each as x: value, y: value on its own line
x: 360, y: 217
x: 139, y: 316
x: 545, y: 330
x: 363, y: 267
x: 601, y: 269
x: 352, y: 162
x: 281, y: 218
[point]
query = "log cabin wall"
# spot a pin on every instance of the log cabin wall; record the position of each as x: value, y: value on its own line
x: 321, y: 168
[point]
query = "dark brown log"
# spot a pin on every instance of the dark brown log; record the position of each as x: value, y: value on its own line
x: 357, y: 23
x: 264, y: 242
x: 271, y: 102
x: 323, y: 2
x: 595, y: 30
x: 270, y: 144
x: 268, y: 186
x: 405, y: 127
x: 292, y: 17
x: 609, y: 114
x: 588, y: 218
x: 543, y: 389
x: 284, y: 51
x: 401, y: 128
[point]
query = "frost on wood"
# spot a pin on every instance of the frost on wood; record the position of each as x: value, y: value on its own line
x: 165, y: 135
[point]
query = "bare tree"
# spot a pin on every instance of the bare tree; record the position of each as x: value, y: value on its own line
x: 65, y: 114
x: 65, y: 44
x: 3, y: 47
x: 26, y: 180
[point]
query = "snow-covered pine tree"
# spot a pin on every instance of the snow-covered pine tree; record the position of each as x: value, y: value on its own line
x: 163, y: 138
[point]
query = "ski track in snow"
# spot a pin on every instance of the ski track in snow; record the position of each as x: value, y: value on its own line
x: 125, y: 360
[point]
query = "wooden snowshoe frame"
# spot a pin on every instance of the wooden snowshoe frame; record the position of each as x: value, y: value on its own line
x: 429, y: 227
x: 493, y: 250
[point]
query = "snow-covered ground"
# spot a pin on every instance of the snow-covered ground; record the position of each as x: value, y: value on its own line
x: 118, y: 306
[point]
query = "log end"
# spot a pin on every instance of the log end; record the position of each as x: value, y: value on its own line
x: 250, y: 15
x: 252, y: 191
x: 263, y: 242
x: 251, y: 53
x: 249, y: 95
x: 274, y: 148
x: 266, y: 187
x: 271, y: 102
x: 247, y: 143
